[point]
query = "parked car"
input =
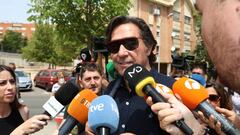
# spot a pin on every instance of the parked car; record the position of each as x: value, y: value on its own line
x: 24, y: 80
x: 47, y: 77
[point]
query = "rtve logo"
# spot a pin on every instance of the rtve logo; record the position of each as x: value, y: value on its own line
x: 192, y: 84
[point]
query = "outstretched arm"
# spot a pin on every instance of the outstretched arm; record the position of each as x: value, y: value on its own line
x: 31, y: 125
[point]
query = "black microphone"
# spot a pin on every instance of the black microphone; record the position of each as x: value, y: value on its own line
x: 78, y: 111
x: 115, y: 87
x: 140, y: 79
x: 62, y: 97
x: 85, y: 55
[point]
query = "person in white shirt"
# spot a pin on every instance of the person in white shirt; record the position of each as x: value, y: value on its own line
x: 60, y: 82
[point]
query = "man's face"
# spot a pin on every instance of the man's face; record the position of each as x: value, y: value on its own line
x: 221, y: 34
x: 124, y: 58
x: 198, y: 71
x: 92, y: 80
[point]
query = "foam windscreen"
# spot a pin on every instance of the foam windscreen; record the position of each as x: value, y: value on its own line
x: 137, y: 77
x: 78, y: 108
x: 190, y: 91
x: 67, y: 92
x: 103, y: 112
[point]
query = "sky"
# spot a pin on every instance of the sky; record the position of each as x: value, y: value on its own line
x: 14, y: 11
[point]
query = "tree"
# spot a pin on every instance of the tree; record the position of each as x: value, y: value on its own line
x: 13, y: 42
x: 78, y: 21
x: 41, y: 46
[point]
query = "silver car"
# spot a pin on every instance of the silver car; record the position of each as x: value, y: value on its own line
x: 24, y: 81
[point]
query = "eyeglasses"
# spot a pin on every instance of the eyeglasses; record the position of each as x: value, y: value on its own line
x: 129, y: 43
x: 213, y: 97
x: 4, y: 82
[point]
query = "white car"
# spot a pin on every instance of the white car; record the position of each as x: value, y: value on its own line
x: 24, y: 81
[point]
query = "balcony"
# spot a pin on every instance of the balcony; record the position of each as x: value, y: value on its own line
x: 167, y: 3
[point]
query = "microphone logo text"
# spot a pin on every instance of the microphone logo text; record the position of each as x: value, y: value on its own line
x: 135, y: 70
x: 85, y: 102
x: 192, y: 84
x: 98, y: 107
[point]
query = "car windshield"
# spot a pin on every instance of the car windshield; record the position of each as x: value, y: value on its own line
x: 65, y: 72
x: 54, y: 73
x: 21, y: 74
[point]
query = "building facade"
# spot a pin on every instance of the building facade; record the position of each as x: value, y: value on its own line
x: 26, y: 29
x: 172, y: 24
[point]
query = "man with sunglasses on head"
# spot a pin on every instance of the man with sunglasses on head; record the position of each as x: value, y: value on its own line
x: 221, y: 35
x: 130, y: 41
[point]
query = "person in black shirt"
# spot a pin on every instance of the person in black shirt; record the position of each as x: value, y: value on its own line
x: 130, y: 41
x: 13, y: 115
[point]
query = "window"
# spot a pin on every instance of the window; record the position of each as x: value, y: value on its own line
x: 187, y: 19
x: 176, y: 16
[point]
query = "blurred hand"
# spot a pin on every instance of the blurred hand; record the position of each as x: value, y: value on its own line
x: 127, y: 134
x: 171, y: 111
x: 231, y: 115
x: 32, y: 125
x: 88, y: 131
x: 211, y: 123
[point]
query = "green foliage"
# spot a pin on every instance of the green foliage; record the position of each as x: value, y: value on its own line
x: 78, y: 20
x: 13, y: 42
x: 40, y: 47
x: 75, y: 23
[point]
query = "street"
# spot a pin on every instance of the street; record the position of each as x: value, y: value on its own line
x: 34, y: 100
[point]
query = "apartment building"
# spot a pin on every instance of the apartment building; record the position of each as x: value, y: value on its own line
x: 172, y: 24
x: 26, y: 29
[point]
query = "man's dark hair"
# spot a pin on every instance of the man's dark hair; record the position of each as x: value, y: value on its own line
x: 89, y: 66
x: 202, y: 66
x: 145, y: 32
x: 12, y: 65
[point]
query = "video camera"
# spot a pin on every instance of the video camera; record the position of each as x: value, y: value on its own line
x: 182, y: 62
x: 99, y: 46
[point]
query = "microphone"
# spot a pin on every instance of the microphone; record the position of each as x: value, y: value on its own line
x: 85, y: 55
x: 77, y: 110
x: 62, y: 97
x: 115, y: 87
x: 103, y: 115
x: 140, y: 79
x: 194, y: 96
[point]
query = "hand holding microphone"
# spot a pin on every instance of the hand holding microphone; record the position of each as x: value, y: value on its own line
x: 31, y: 125
x: 78, y: 111
x: 172, y: 111
x: 103, y: 115
x: 194, y: 97
x: 140, y: 80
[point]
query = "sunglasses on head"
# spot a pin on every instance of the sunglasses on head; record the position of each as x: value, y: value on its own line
x: 213, y: 97
x: 129, y: 43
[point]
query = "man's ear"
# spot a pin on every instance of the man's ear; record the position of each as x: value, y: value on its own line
x: 80, y: 83
x: 149, y: 49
